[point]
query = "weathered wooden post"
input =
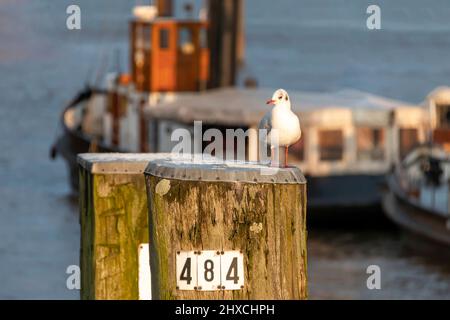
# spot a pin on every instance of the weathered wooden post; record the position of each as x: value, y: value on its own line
x: 226, y: 231
x: 114, y: 226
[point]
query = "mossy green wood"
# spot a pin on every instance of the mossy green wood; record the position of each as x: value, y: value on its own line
x: 266, y: 221
x: 114, y: 222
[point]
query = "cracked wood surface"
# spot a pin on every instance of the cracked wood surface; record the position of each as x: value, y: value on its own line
x: 114, y: 222
x: 266, y: 221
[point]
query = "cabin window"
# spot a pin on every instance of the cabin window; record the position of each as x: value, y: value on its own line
x: 409, y: 138
x: 331, y: 145
x: 370, y: 143
x: 139, y: 44
x: 147, y: 37
x: 143, y: 37
x: 139, y: 56
x: 185, y: 41
x: 164, y: 35
x: 203, y: 38
x: 443, y: 112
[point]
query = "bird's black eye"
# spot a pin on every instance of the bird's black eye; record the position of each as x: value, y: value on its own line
x: 280, y: 97
x: 287, y: 98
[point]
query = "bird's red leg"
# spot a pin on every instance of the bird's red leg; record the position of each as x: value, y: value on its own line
x: 286, y: 157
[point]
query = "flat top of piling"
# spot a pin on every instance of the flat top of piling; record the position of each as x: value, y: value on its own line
x: 223, y: 171
x: 116, y: 163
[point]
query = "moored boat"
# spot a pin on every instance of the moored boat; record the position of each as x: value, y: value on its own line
x: 350, y: 139
x: 171, y: 50
x: 76, y: 136
x: 418, y: 193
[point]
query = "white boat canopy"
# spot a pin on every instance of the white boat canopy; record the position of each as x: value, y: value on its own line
x: 246, y: 107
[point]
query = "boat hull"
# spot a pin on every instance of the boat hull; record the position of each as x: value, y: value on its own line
x: 413, y: 218
x: 72, y: 142
x: 345, y: 199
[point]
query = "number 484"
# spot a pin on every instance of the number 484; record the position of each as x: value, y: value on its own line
x: 210, y: 270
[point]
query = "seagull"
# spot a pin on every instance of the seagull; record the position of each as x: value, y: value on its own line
x: 282, y: 119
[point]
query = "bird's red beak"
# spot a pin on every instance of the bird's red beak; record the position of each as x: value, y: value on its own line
x: 270, y: 101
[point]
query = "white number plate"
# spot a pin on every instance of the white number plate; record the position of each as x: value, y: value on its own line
x: 232, y: 270
x: 186, y: 270
x: 210, y: 270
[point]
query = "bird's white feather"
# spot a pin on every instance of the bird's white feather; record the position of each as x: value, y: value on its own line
x: 283, y: 120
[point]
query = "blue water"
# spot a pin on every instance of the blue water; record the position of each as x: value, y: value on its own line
x: 325, y: 45
x: 296, y: 44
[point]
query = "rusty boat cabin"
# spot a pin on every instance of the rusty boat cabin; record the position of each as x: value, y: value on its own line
x: 169, y: 55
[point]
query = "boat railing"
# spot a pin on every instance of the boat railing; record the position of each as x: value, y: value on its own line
x: 426, y: 151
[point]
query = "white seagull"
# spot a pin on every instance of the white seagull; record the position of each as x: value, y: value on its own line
x: 285, y: 122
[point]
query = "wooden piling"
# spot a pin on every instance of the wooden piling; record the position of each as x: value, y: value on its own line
x: 114, y: 223
x: 250, y: 208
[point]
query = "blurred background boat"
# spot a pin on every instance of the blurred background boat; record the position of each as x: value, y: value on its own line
x: 418, y: 195
x: 172, y: 50
x: 350, y: 140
